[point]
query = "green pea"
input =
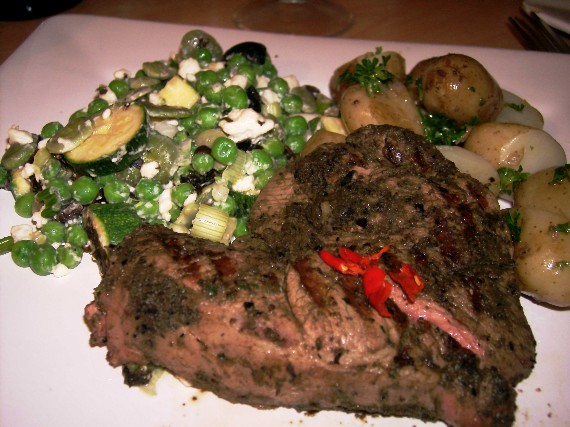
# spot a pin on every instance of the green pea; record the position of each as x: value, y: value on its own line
x: 54, y: 232
x: 21, y: 252
x: 43, y: 258
x: 236, y: 60
x: 224, y: 150
x: 84, y: 190
x: 229, y: 205
x: 148, y: 189
x: 213, y: 95
x: 116, y: 191
x: 130, y: 176
x: 96, y: 106
x: 279, y: 85
x: 208, y: 117
x: 61, y: 187
x: 295, y: 125
x: 120, y: 87
x: 148, y: 210
x: 268, y: 69
x: 262, y: 178
x: 280, y: 161
x: 202, y: 162
x: 205, y: 79
x: 24, y: 205
x: 296, y: 143
x: 50, y: 129
x: 70, y: 256
x: 292, y: 104
x: 242, y: 228
x: 76, y: 235
x: 180, y: 193
x: 202, y: 54
x: 223, y: 74
x: 174, y: 212
x: 261, y: 159
x: 273, y: 146
x: 79, y: 114
x: 235, y: 97
x: 51, y: 169
x: 248, y: 71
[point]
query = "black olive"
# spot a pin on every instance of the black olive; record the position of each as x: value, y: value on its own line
x: 244, y: 145
x: 252, y: 51
x: 254, y: 99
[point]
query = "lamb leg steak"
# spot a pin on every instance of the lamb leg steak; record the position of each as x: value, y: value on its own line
x: 267, y: 323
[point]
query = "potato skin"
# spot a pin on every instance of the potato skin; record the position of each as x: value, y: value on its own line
x: 536, y: 256
x: 394, y: 106
x: 538, y: 192
x: 458, y: 87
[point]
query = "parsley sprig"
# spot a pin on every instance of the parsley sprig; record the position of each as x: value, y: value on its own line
x: 510, y: 178
x: 370, y: 73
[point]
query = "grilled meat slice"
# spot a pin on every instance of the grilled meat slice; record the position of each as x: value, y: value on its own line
x: 265, y: 322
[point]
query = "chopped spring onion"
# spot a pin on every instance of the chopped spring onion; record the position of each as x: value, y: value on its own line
x: 210, y: 223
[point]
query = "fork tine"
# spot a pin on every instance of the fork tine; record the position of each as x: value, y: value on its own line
x: 520, y: 30
x: 534, y: 34
x: 549, y: 34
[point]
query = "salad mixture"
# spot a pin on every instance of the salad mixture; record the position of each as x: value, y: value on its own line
x: 186, y: 142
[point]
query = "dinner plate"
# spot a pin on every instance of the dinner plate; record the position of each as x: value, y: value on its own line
x: 50, y: 376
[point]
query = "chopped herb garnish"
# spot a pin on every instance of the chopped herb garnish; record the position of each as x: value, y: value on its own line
x: 516, y: 107
x: 441, y: 130
x: 243, y: 203
x: 560, y: 174
x: 512, y: 217
x: 561, y: 264
x: 370, y: 74
x: 510, y: 179
x: 560, y: 228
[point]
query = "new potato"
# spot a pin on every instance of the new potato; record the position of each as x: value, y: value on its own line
x: 472, y: 164
x: 539, y: 192
x: 537, y: 255
x: 512, y: 145
x: 518, y: 110
x: 394, y: 106
x: 458, y: 87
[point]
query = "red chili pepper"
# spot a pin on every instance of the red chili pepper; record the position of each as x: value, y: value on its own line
x: 409, y: 280
x: 345, y: 267
x: 377, y: 289
x: 363, y: 260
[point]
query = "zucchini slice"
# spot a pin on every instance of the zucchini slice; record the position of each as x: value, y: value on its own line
x: 108, y: 224
x: 118, y: 138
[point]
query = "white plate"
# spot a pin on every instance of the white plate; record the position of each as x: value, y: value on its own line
x: 49, y: 376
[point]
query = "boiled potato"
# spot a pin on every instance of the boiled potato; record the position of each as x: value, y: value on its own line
x: 539, y: 192
x: 394, y: 106
x: 518, y: 110
x: 396, y: 65
x: 322, y: 136
x: 540, y: 256
x: 513, y: 145
x: 458, y: 87
x: 472, y: 164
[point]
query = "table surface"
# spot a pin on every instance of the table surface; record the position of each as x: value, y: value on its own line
x: 467, y: 22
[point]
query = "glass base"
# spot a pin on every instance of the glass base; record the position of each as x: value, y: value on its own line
x: 20, y: 10
x: 306, y: 17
